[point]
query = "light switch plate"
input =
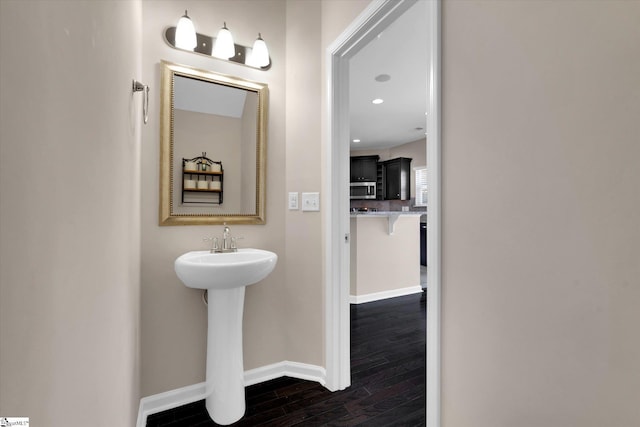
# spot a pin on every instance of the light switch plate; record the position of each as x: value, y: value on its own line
x: 310, y: 201
x: 293, y: 201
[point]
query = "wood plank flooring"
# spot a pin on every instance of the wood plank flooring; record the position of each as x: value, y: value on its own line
x: 387, y: 379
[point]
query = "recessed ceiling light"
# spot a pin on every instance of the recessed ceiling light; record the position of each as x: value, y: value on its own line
x: 382, y: 78
x: 356, y: 141
x: 377, y: 101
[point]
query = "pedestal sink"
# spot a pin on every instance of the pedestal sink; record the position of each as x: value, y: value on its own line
x: 225, y: 276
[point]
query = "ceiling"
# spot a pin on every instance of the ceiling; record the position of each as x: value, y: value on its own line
x: 401, y: 52
x: 199, y: 96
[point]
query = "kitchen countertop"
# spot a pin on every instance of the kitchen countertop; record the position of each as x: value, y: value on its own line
x: 391, y: 216
x: 388, y: 213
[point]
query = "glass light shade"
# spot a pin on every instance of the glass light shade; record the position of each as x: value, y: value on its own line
x: 224, y: 46
x: 260, y: 53
x: 186, y: 33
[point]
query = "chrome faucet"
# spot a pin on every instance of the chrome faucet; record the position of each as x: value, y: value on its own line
x: 229, y: 244
x: 225, y: 239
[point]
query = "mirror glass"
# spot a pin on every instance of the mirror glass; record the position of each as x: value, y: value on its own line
x: 213, y: 142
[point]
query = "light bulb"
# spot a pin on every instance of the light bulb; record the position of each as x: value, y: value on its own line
x: 224, y: 46
x: 186, y: 33
x: 259, y: 53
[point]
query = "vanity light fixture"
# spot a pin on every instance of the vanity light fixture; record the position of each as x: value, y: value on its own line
x: 355, y: 141
x: 185, y: 37
x: 377, y: 101
x: 224, y: 48
x: 260, y: 53
x: 186, y: 33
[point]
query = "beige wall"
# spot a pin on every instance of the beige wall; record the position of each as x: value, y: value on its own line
x: 416, y: 150
x: 303, y: 150
x: 69, y: 216
x: 283, y: 314
x: 540, y: 268
x: 541, y: 243
x: 381, y: 261
x: 173, y: 317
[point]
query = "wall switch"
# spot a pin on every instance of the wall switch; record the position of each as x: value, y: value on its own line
x: 310, y: 201
x: 293, y: 201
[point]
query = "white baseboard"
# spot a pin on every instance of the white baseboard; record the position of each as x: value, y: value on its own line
x: 376, y: 296
x: 181, y: 396
x: 168, y: 400
x: 285, y: 368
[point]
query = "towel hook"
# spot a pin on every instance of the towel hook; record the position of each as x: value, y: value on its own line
x: 139, y: 87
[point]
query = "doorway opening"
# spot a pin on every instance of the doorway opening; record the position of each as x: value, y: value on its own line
x: 377, y: 16
x: 387, y: 125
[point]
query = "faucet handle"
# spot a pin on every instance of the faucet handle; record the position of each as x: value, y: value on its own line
x: 214, y: 243
x: 234, y: 242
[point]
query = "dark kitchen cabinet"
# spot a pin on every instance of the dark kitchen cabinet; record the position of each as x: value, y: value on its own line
x: 364, y: 168
x: 380, y: 182
x: 397, y: 179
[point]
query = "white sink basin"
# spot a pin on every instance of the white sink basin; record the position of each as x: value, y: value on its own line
x: 225, y: 277
x: 204, y: 270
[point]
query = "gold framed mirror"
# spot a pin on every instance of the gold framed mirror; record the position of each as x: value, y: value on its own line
x: 213, y: 140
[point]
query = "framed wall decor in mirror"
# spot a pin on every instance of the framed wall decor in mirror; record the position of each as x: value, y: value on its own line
x: 213, y: 140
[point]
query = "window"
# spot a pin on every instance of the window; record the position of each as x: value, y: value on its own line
x: 421, y: 185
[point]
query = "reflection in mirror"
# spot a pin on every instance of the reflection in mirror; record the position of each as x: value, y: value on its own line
x: 213, y: 148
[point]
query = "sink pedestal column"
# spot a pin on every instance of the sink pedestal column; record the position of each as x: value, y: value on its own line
x: 225, y: 399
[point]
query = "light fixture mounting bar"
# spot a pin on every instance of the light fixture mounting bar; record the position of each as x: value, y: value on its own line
x: 205, y: 45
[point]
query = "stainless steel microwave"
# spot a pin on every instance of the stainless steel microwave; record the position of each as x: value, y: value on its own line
x: 363, y: 190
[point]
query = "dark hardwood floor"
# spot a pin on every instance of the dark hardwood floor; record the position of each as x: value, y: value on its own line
x: 387, y: 379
